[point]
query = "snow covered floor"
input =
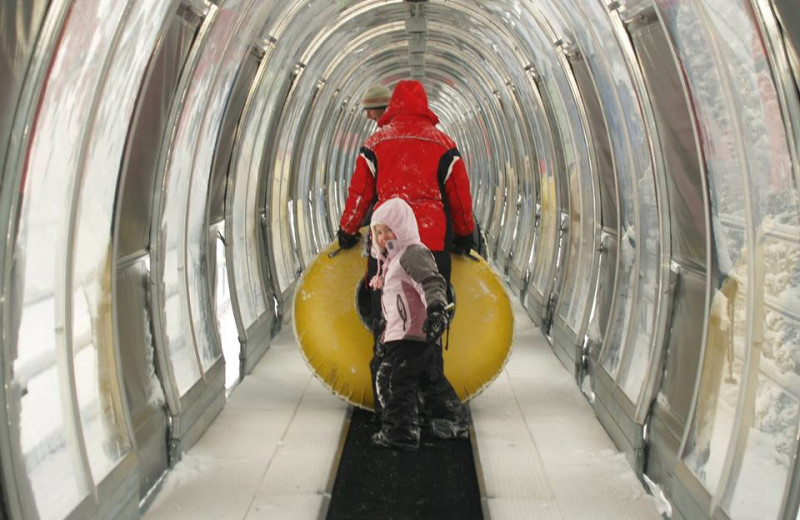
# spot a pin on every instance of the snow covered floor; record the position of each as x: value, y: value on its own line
x: 543, y: 453
x: 270, y: 453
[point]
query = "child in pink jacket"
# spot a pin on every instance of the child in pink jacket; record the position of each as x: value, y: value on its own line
x: 413, y: 308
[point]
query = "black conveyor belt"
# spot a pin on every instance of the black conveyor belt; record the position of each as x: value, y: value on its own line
x: 437, y: 482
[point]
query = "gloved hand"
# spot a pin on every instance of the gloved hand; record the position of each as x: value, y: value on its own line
x: 463, y: 245
x: 436, y: 323
x: 346, y: 240
x: 377, y: 326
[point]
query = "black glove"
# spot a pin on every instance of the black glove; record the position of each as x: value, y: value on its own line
x: 346, y: 240
x: 463, y: 245
x: 377, y: 326
x: 436, y: 323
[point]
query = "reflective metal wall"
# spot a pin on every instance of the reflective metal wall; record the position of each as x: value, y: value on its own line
x: 171, y: 169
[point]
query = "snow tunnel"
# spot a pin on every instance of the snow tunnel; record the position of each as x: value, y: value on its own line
x: 171, y: 168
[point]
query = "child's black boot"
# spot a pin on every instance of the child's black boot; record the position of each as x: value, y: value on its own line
x: 387, y: 441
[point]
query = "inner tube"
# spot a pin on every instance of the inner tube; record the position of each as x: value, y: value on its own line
x: 337, y: 345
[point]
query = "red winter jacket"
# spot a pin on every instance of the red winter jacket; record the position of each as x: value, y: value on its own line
x: 413, y: 160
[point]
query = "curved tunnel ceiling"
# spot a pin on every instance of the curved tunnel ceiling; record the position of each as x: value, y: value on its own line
x: 478, y: 60
x: 634, y: 168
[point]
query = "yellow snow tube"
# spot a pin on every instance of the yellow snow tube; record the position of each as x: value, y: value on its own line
x: 338, y: 346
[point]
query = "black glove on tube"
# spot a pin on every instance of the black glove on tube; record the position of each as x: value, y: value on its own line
x: 346, y: 240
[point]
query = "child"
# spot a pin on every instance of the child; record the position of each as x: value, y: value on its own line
x: 413, y: 308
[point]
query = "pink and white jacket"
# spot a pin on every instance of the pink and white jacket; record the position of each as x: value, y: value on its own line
x: 407, y: 273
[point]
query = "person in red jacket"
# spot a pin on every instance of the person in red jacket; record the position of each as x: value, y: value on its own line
x: 408, y: 157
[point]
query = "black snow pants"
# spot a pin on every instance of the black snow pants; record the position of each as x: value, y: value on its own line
x: 407, y: 377
x: 442, y: 259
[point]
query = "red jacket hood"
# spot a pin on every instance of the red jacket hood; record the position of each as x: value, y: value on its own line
x: 408, y: 99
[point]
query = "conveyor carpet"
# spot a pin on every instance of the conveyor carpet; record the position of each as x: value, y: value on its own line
x: 437, y: 482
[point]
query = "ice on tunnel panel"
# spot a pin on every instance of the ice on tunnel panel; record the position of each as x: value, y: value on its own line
x: 622, y: 313
x: 637, y: 362
x: 769, y: 453
x: 635, y: 298
x: 179, y: 347
x: 720, y: 378
x: 721, y: 383
x: 773, y: 219
x: 46, y: 448
x: 217, y: 69
x: 57, y: 477
x: 97, y: 383
x: 765, y: 142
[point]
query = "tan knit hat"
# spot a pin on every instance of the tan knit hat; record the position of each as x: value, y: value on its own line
x: 377, y: 96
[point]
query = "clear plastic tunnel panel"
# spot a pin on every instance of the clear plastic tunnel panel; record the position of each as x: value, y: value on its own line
x: 573, y: 149
x: 247, y: 232
x: 579, y: 155
x: 634, y: 295
x: 183, y: 246
x: 72, y: 423
x: 681, y: 194
x: 170, y: 241
x: 744, y: 380
x: 509, y: 138
x: 236, y: 79
x: 548, y: 233
x: 223, y: 52
x: 585, y: 215
x: 526, y: 198
x: 101, y: 401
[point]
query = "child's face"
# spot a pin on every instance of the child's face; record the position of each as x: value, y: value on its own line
x: 382, y: 234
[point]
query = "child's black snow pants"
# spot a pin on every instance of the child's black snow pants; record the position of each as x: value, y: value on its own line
x: 407, y: 374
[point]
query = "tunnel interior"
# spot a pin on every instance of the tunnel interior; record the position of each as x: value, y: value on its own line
x: 171, y: 169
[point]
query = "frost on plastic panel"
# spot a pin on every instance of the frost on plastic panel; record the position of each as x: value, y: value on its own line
x: 635, y: 183
x: 769, y: 417
x: 720, y: 376
x: 549, y: 220
x: 246, y: 208
x: 605, y: 83
x: 711, y: 426
x: 771, y: 433
x: 573, y: 305
x: 772, y: 227
x: 228, y: 40
x: 99, y: 391
x: 49, y: 446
